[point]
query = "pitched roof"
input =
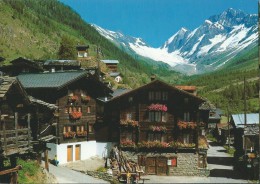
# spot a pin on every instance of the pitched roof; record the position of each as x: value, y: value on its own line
x: 114, y: 74
x: 251, y: 130
x: 82, y: 47
x: 62, y: 62
x: 110, y: 61
x: 50, y: 80
x: 156, y: 82
x: 239, y: 119
x: 40, y: 102
x: 5, y: 84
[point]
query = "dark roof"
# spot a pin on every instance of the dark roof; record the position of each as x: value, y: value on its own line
x: 157, y: 82
x: 119, y: 92
x: 30, y: 62
x: 50, y: 80
x: 62, y: 63
x: 82, y: 47
x: 187, y: 88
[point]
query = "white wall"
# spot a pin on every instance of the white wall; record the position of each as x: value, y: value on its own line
x: 87, y: 149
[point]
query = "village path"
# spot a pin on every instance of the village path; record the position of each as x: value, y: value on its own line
x: 66, y: 175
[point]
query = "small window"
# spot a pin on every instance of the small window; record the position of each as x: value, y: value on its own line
x: 129, y: 116
x: 165, y: 96
x: 130, y: 99
x: 186, y: 116
x: 158, y: 116
x: 186, y: 100
x: 164, y: 117
x: 88, y: 109
x: 151, y: 95
x: 79, y: 109
x: 70, y: 109
x: 90, y: 128
x: 158, y: 95
x: 186, y: 138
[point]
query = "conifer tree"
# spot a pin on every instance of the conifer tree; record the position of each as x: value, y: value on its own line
x: 67, y: 48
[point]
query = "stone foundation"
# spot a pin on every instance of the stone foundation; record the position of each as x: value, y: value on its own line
x: 187, y: 163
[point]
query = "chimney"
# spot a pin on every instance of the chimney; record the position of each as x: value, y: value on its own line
x: 153, y: 77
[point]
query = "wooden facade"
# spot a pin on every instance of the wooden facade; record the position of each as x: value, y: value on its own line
x: 75, y: 99
x: 21, y: 65
x: 15, y: 118
x: 158, y: 117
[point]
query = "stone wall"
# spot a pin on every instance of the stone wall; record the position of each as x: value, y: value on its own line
x: 187, y: 163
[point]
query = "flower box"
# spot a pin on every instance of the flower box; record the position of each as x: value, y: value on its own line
x: 75, y: 115
x: 185, y: 125
x: 157, y: 107
x: 177, y: 145
x: 158, y: 128
x: 70, y: 134
x: 73, y: 99
x: 153, y: 144
x: 127, y: 144
x: 129, y: 123
x: 81, y: 133
x: 85, y: 99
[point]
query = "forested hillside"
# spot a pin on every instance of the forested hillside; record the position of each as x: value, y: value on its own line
x: 34, y: 29
x: 225, y: 88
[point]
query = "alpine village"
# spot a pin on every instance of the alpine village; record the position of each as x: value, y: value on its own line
x: 69, y: 95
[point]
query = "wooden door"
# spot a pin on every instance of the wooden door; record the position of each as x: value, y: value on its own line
x: 161, y: 166
x: 151, y: 165
x: 69, y: 153
x: 77, y: 152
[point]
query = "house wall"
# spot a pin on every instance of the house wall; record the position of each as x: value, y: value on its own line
x: 88, y: 149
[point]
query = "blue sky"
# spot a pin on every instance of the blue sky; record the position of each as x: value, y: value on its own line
x: 153, y: 20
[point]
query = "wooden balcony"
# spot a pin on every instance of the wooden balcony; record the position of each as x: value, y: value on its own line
x: 15, y: 141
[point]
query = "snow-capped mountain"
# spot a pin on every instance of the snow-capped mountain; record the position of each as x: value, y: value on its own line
x: 207, y: 47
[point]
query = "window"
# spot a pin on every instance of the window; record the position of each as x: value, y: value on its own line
x: 151, y: 95
x: 158, y: 95
x: 130, y: 99
x: 186, y: 138
x: 155, y: 116
x: 156, y: 136
x: 164, y: 117
x: 186, y: 100
x: 67, y: 129
x: 186, y: 116
x: 90, y: 128
x: 88, y: 109
x: 127, y: 135
x: 164, y: 95
x: 129, y: 116
x: 80, y: 128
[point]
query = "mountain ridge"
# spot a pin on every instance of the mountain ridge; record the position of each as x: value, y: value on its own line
x: 208, y: 47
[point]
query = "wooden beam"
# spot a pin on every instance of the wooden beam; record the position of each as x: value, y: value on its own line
x: 16, y: 127
x: 15, y: 169
x: 29, y: 133
x: 46, y: 159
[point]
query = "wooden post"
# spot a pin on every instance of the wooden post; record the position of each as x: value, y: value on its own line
x: 14, y: 178
x: 16, y: 127
x: 5, y: 143
x: 29, y: 127
x: 46, y: 159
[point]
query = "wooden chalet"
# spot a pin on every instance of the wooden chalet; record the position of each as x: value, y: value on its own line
x: 111, y: 65
x: 82, y: 51
x: 162, y: 126
x: 74, y: 93
x: 21, y: 65
x: 15, y: 132
x: 61, y: 65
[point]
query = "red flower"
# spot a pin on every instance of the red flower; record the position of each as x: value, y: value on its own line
x: 73, y: 98
x: 158, y: 107
x: 75, y: 115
